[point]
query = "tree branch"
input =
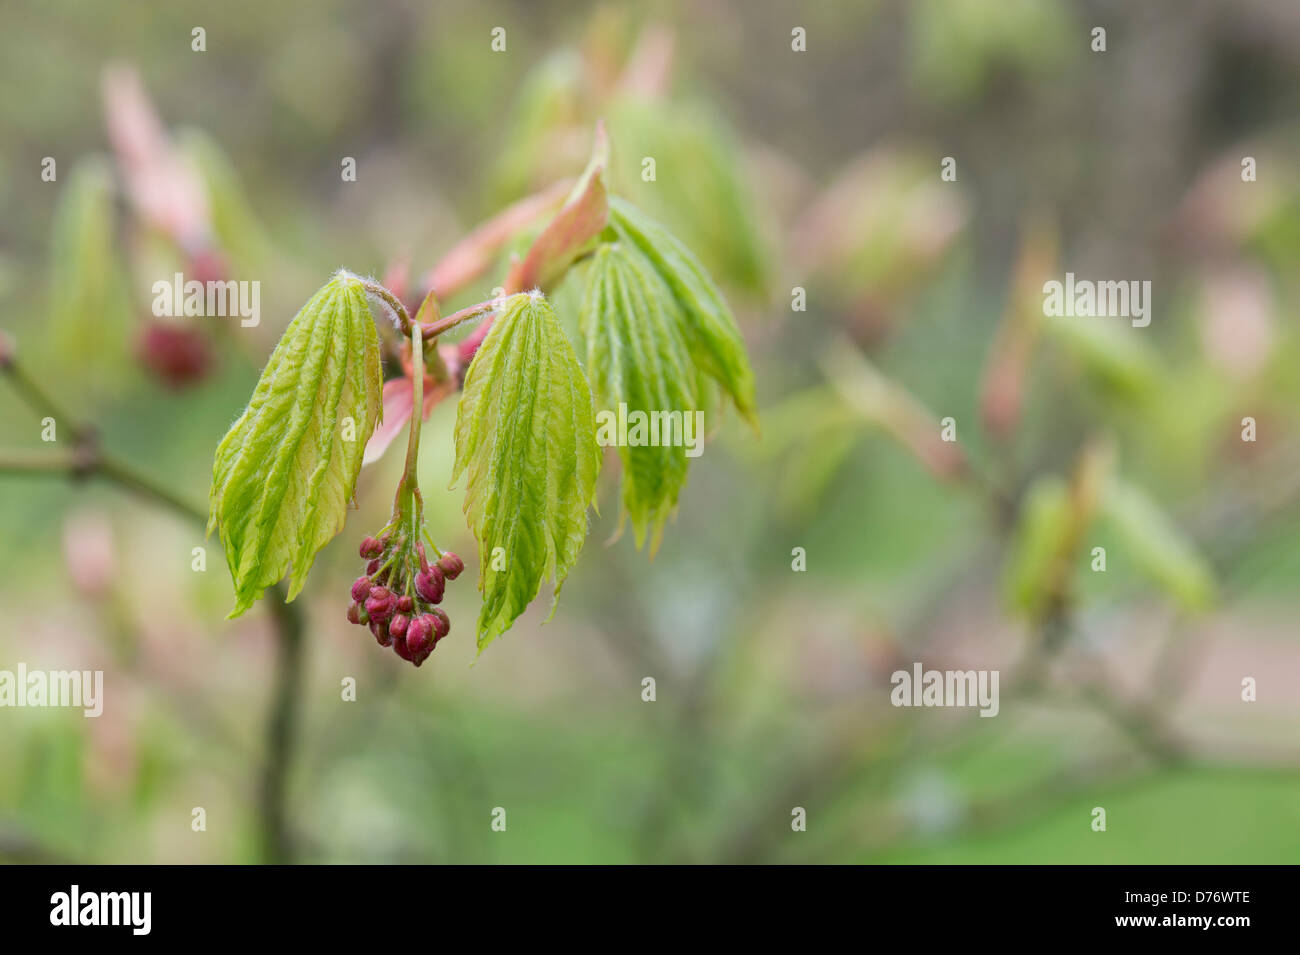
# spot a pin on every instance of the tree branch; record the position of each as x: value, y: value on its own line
x: 86, y: 459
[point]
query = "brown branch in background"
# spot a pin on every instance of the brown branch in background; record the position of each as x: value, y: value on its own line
x: 87, y: 459
x: 281, y: 731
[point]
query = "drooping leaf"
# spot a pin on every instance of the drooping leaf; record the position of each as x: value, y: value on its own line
x: 526, y: 437
x: 710, y: 330
x: 285, y: 471
x: 640, y: 365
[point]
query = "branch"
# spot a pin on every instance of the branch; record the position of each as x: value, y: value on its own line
x: 86, y: 459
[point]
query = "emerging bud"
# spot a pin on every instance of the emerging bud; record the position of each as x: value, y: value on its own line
x: 451, y: 565
x: 440, y: 623
x: 380, y: 603
x: 430, y: 586
x: 395, y: 596
x: 177, y: 356
x: 419, y: 635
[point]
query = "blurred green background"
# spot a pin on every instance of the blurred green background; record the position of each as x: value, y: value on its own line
x: 818, y: 170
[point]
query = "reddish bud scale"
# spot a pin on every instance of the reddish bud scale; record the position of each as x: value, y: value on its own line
x: 361, y: 589
x: 430, y: 586
x: 440, y: 623
x: 451, y: 565
x: 371, y: 548
x: 178, y: 356
x: 380, y: 604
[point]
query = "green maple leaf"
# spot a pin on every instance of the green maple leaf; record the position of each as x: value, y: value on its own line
x: 637, y: 356
x: 285, y: 471
x: 705, y: 321
x: 526, y: 437
x: 661, y: 341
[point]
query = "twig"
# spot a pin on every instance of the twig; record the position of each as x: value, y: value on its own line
x: 87, y: 459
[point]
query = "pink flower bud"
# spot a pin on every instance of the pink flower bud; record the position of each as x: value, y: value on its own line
x: 405, y: 604
x: 179, y: 356
x: 361, y: 589
x: 381, y: 633
x: 354, y: 613
x: 419, y: 632
x: 370, y: 547
x: 373, y: 566
x: 380, y: 603
x: 419, y: 639
x: 440, y: 623
x: 397, y: 626
x: 399, y: 647
x: 451, y: 565
x: 430, y: 585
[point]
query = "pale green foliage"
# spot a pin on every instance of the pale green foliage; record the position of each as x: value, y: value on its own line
x: 657, y: 332
x: 1113, y: 355
x: 526, y: 437
x: 1049, y: 526
x: 90, y: 309
x: 637, y: 355
x: 713, y: 208
x: 284, y: 473
x: 709, y: 328
x: 1158, y: 547
x: 1041, y: 538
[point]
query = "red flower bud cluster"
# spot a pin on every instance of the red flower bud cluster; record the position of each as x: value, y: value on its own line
x: 396, y: 596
